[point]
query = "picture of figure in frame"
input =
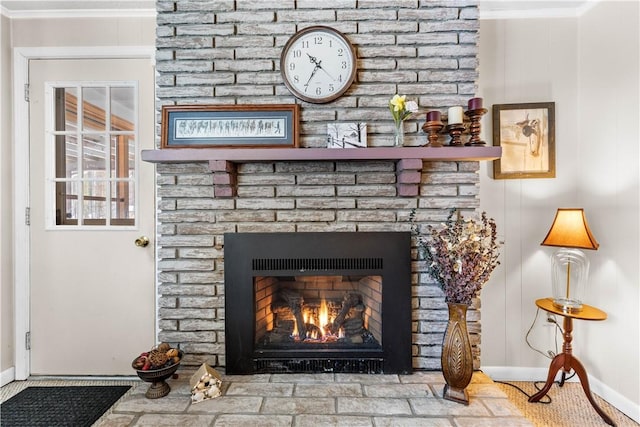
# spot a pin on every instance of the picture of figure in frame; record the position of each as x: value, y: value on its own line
x: 526, y: 134
x: 236, y: 128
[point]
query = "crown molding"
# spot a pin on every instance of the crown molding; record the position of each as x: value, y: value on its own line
x: 77, y: 13
x: 570, y: 12
x: 542, y: 13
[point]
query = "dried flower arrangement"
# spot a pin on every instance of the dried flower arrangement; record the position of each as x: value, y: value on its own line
x: 461, y: 255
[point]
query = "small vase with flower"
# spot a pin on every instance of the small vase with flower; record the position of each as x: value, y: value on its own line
x: 401, y: 109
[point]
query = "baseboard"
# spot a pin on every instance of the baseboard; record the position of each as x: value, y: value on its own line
x: 624, y: 405
x: 512, y: 373
x: 7, y: 376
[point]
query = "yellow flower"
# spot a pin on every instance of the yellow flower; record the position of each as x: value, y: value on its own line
x: 401, y: 109
x: 398, y: 102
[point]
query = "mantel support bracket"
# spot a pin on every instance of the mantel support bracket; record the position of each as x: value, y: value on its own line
x: 408, y: 176
x: 224, y: 178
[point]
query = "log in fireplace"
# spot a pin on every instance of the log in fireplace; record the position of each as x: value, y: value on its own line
x: 318, y: 302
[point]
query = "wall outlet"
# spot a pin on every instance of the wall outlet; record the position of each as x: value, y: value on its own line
x: 551, y: 320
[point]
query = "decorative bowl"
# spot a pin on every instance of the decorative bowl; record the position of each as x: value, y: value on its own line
x: 158, y: 388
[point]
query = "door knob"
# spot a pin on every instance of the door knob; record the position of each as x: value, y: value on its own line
x: 142, y: 241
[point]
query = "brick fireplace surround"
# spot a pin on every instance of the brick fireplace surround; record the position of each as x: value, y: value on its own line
x: 227, y: 52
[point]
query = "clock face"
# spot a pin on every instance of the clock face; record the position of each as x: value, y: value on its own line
x: 318, y: 64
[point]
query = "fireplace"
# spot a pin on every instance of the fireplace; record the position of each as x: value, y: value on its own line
x: 318, y: 302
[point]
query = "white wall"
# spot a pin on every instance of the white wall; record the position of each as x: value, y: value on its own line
x: 589, y: 67
x: 609, y: 176
x: 6, y: 218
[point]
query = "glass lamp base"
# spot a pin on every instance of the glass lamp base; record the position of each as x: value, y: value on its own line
x: 570, y: 269
x: 567, y: 305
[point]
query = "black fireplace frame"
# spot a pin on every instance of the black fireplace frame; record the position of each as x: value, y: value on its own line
x: 249, y: 255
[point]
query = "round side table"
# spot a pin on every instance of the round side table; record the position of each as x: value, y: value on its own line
x: 565, y: 360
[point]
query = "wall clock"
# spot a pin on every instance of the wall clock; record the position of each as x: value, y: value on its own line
x: 318, y: 64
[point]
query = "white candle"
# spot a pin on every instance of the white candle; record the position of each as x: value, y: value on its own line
x: 455, y: 115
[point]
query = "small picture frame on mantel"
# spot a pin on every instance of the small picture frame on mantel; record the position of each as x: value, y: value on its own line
x: 346, y: 135
x: 526, y: 133
x: 230, y: 126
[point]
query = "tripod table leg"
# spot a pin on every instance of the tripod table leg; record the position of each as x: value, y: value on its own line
x: 584, y: 381
x: 556, y: 364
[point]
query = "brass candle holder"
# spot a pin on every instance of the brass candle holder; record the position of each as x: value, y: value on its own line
x: 455, y: 131
x: 474, y: 127
x: 432, y: 128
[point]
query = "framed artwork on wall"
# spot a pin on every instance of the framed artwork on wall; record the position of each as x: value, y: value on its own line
x: 526, y: 133
x: 228, y: 126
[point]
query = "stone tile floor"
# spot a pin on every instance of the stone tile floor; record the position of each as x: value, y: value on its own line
x: 319, y: 400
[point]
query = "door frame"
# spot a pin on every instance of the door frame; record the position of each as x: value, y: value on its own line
x: 21, y: 190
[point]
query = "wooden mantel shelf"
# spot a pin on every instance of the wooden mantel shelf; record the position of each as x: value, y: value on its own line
x: 241, y: 155
x: 408, y: 170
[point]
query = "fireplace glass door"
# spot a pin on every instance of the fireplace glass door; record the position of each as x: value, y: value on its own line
x: 318, y: 312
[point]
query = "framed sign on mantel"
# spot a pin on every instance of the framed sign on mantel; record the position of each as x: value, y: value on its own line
x: 229, y: 126
x: 526, y: 133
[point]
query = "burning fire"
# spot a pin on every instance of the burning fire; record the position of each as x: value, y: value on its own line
x: 321, y: 320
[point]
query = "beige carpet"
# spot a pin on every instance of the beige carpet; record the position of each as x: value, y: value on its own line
x: 569, y: 406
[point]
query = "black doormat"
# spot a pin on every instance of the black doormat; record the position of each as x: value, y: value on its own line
x: 59, y: 406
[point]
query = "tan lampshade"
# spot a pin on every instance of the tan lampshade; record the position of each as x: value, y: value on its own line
x: 570, y: 230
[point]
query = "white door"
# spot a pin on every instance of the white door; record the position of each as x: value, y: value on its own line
x: 92, y: 289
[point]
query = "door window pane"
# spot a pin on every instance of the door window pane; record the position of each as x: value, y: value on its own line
x: 122, y: 200
x: 94, y: 154
x: 67, y: 99
x: 94, y: 201
x: 67, y: 151
x: 94, y: 108
x: 122, y: 108
x: 68, y: 202
x: 123, y: 151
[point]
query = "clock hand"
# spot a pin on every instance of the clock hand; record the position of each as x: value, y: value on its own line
x: 313, y: 59
x: 313, y: 73
x: 328, y: 74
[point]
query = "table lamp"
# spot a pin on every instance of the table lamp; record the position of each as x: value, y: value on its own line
x: 570, y: 266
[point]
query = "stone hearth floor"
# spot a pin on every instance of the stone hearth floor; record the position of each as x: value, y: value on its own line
x: 319, y: 400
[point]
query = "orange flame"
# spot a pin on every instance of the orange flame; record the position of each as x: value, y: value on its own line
x: 323, y: 315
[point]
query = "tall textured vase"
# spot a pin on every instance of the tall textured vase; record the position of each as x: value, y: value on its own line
x: 457, y: 360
